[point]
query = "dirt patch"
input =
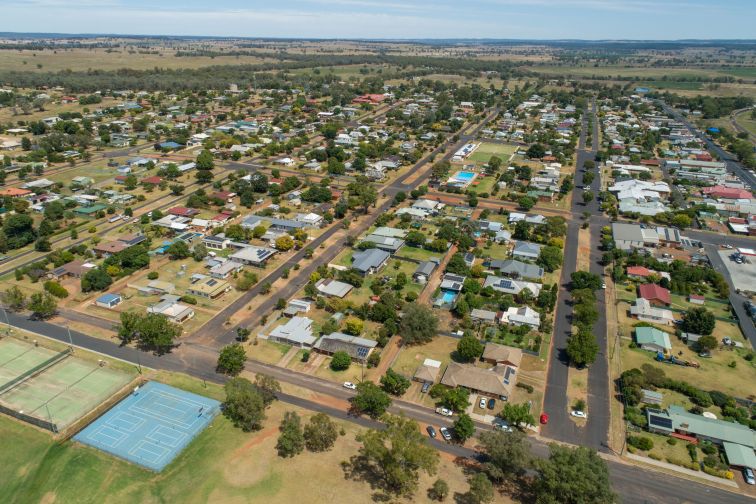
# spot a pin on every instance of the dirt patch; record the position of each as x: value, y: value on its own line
x: 331, y: 401
x: 248, y: 468
x: 49, y: 498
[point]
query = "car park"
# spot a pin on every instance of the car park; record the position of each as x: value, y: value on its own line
x: 491, y: 403
x: 482, y: 403
x: 350, y: 385
x: 426, y: 387
x: 431, y: 431
x: 445, y: 433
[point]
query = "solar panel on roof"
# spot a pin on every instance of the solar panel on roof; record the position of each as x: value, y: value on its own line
x: 211, y: 283
x: 362, y: 352
x: 658, y: 421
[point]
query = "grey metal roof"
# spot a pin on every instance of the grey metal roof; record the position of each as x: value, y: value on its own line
x: 371, y: 258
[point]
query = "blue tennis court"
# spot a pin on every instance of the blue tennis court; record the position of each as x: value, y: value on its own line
x: 151, y: 426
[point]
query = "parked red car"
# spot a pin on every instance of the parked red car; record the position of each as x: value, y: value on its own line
x: 544, y: 418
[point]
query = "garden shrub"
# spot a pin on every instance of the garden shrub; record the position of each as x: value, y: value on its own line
x: 640, y: 442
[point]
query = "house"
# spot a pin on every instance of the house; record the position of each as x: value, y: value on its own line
x: 522, y: 316
x: 210, y: 288
x: 652, y: 339
x: 14, y: 192
x: 655, y: 294
x: 526, y: 250
x: 296, y: 306
x: 75, y: 269
x: 311, y: 219
x: 107, y: 249
x: 642, y: 310
x: 297, y: 331
x: 428, y: 371
x: 738, y: 441
x: 424, y: 270
x: 510, y: 286
x: 173, y: 310
x: 387, y: 243
x: 358, y: 348
x: 495, y: 382
x: 494, y: 353
x: 451, y: 282
x: 216, y: 242
x: 696, y: 299
x: 633, y: 236
x: 108, y: 300
x: 516, y: 269
x: 253, y: 256
x: 183, y: 211
x: 333, y: 288
x: 370, y: 260
x: 484, y: 316
x: 154, y: 180
x: 223, y: 270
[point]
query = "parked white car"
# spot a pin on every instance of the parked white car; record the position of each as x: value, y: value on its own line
x: 578, y: 414
x: 444, y: 412
x: 350, y: 385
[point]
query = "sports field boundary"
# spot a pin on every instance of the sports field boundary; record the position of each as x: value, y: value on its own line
x: 35, y: 371
x: 103, y: 408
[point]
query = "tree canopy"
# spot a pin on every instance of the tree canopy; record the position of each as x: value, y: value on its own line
x: 418, y: 325
x: 573, y: 476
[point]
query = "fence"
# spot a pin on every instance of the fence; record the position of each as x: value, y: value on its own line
x: 29, y: 419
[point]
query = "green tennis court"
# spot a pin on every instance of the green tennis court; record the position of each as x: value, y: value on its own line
x: 18, y: 357
x: 61, y: 393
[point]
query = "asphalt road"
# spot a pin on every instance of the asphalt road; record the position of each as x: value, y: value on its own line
x: 632, y: 483
x: 733, y: 165
x: 556, y: 405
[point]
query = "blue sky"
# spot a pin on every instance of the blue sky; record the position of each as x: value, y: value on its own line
x: 538, y: 19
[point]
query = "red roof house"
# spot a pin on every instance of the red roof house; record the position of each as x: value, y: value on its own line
x: 15, y: 192
x: 154, y: 180
x: 369, y: 98
x: 655, y: 294
x: 727, y: 192
x: 183, y: 211
x: 638, y: 272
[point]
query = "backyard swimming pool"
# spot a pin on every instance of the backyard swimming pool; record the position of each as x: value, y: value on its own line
x: 448, y: 297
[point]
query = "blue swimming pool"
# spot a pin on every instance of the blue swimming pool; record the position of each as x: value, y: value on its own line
x: 448, y: 297
x: 464, y: 176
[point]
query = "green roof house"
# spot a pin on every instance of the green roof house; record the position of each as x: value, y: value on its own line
x: 652, y: 339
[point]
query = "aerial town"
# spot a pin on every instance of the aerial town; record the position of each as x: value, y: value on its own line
x: 395, y: 279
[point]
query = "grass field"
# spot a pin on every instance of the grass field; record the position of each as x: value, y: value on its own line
x: 485, y: 150
x: 745, y: 121
x: 84, y: 59
x: 644, y: 73
x: 223, y: 464
x: 410, y: 357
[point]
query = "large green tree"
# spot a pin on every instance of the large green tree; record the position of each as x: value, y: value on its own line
x: 393, y: 383
x: 396, y: 455
x: 320, y: 433
x: 418, y: 325
x: 244, y: 404
x: 507, y: 454
x: 517, y: 415
x: 582, y: 347
x: 371, y: 400
x: 469, y: 348
x: 573, y: 476
x: 291, y: 441
x: 698, y: 320
x: 464, y: 428
x: 43, y: 305
x: 231, y: 359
